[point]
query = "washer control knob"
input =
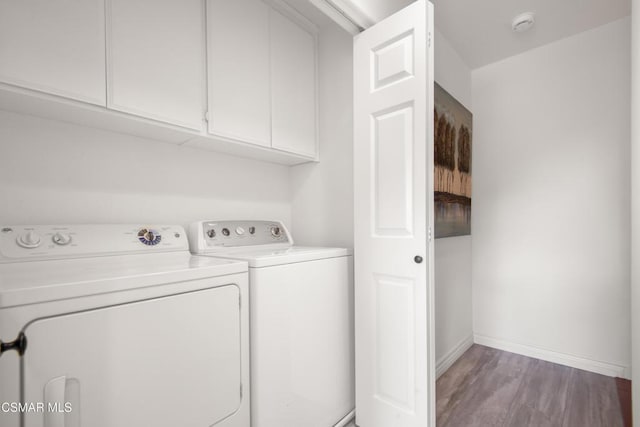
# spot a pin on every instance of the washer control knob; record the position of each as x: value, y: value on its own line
x: 226, y: 232
x: 61, y: 239
x: 275, y: 231
x: 252, y: 230
x: 211, y: 233
x: 29, y: 240
x: 239, y: 231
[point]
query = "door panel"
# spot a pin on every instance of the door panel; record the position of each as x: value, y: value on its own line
x: 146, y: 363
x: 393, y: 172
x: 293, y: 82
x: 393, y: 165
x: 156, y: 60
x: 238, y: 70
x: 395, y: 356
x: 54, y: 46
x: 393, y: 60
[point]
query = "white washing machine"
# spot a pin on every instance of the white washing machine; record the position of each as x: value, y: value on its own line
x: 120, y: 326
x: 301, y: 322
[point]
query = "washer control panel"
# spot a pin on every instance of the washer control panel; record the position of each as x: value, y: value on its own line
x: 31, y: 242
x: 205, y: 235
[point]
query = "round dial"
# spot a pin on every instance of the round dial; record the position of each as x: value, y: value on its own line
x: 226, y: 232
x: 211, y: 233
x: 149, y: 237
x: 252, y: 230
x: 61, y: 239
x: 29, y: 240
x: 275, y: 231
x: 239, y: 231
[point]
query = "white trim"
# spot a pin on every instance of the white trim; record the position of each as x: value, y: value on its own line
x: 346, y: 14
x: 352, y: 12
x: 338, y: 16
x: 351, y: 416
x: 604, y: 368
x: 453, y: 355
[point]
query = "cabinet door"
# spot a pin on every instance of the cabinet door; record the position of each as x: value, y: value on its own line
x: 54, y: 46
x: 165, y: 362
x: 156, y: 59
x: 238, y: 71
x: 293, y: 77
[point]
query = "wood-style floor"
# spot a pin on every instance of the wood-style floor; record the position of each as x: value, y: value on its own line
x: 488, y: 387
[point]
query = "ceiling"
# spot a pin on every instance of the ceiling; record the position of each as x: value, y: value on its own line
x: 480, y: 31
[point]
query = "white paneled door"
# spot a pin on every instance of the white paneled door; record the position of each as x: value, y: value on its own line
x: 393, y: 119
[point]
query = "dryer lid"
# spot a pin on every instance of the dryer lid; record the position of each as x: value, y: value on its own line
x: 40, y: 281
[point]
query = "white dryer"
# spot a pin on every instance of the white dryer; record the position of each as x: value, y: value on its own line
x: 119, y: 326
x: 301, y: 322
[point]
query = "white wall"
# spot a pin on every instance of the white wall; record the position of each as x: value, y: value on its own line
x: 635, y: 208
x: 551, y: 201
x: 53, y: 172
x: 322, y: 193
x: 452, y: 255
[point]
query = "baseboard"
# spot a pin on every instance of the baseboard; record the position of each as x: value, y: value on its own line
x: 598, y: 367
x: 452, y: 355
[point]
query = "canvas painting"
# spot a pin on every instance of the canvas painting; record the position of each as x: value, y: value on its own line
x: 452, y: 157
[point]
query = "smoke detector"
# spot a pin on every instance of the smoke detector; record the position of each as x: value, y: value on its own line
x: 523, y: 22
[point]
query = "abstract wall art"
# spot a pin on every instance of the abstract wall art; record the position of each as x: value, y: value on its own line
x: 452, y: 157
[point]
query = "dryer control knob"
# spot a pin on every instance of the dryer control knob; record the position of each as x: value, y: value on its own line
x: 29, y: 240
x: 61, y: 239
x: 239, y: 231
x: 149, y: 237
x: 275, y: 231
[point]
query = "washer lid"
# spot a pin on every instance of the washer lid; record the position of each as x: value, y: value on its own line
x: 267, y: 257
x: 40, y: 281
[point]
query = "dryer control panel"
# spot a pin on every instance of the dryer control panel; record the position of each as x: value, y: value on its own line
x: 41, y: 242
x: 210, y: 235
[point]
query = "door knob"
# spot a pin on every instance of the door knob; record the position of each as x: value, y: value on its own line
x: 418, y: 259
x: 19, y: 345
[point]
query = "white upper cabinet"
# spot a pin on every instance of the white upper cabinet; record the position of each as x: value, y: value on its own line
x: 238, y: 70
x: 156, y: 60
x: 293, y: 86
x: 237, y: 76
x: 54, y: 46
x: 262, y: 75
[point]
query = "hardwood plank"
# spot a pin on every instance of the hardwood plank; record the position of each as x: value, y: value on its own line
x: 486, y: 401
x: 488, y: 387
x: 541, y: 398
x: 592, y: 401
x: 452, y: 384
